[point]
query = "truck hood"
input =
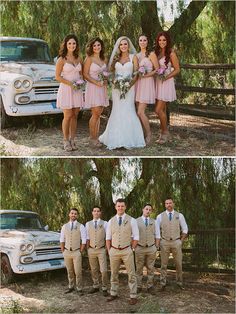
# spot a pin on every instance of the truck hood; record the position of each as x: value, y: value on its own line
x: 37, y: 71
x: 39, y: 238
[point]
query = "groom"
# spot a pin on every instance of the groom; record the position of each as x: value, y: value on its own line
x: 121, y: 239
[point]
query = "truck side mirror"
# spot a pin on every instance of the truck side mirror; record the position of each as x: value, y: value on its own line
x: 46, y: 228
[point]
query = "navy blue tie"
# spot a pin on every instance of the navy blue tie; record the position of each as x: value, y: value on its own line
x: 120, y: 221
x: 170, y: 216
x: 95, y: 224
x: 146, y: 222
x: 71, y: 226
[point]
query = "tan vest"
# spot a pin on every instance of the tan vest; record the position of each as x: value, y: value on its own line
x: 97, y: 236
x: 146, y: 233
x: 72, y: 237
x: 170, y: 230
x: 121, y: 235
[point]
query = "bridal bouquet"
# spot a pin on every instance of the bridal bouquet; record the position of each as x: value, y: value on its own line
x: 104, y: 76
x: 161, y: 73
x: 79, y: 85
x: 122, y: 84
x: 142, y: 70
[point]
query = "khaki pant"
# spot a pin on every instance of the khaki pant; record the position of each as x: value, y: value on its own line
x: 174, y: 247
x: 145, y: 256
x: 126, y: 256
x: 73, y: 262
x: 98, y: 261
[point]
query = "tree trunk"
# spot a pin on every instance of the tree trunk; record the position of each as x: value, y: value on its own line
x: 186, y: 19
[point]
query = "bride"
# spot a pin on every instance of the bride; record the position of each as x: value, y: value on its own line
x: 123, y: 128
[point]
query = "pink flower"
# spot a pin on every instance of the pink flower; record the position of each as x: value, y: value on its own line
x: 161, y: 71
x: 79, y: 82
x: 142, y: 70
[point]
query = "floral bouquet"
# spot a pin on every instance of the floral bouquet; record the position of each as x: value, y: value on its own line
x: 122, y: 84
x: 79, y: 85
x: 142, y: 70
x: 161, y: 73
x: 104, y: 76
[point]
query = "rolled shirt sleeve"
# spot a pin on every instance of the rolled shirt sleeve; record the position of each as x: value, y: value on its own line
x: 83, y: 234
x: 62, y: 235
x: 108, y: 230
x: 87, y: 230
x: 183, y: 224
x: 158, y: 227
x: 135, y: 230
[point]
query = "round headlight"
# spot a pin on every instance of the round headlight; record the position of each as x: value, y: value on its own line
x: 26, y: 84
x: 23, y: 247
x: 29, y: 247
x: 17, y: 84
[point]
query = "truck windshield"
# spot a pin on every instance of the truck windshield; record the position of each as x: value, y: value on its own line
x: 25, y: 51
x: 20, y: 221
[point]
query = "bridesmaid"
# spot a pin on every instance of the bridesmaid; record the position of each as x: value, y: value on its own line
x: 165, y: 87
x: 145, y: 86
x: 96, y: 96
x: 70, y: 100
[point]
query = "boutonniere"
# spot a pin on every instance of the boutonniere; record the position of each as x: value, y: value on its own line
x: 100, y: 226
x: 75, y: 228
x: 150, y: 224
x: 125, y: 222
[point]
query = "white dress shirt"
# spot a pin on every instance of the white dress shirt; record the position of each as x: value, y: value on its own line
x: 98, y: 221
x: 82, y: 232
x: 144, y: 220
x: 182, y: 222
x: 134, y: 227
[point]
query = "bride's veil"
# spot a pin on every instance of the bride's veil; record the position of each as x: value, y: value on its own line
x: 116, y: 49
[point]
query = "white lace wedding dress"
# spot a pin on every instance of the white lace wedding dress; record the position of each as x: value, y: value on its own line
x: 123, y: 128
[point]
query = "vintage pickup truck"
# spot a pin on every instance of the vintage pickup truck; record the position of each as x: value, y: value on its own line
x: 27, y: 78
x: 26, y: 246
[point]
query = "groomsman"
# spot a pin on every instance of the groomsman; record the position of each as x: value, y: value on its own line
x: 145, y: 252
x: 96, y: 237
x: 73, y: 241
x: 171, y: 232
x: 121, y: 238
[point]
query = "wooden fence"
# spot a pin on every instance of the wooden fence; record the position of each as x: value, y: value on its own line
x: 208, y: 109
x: 210, y: 250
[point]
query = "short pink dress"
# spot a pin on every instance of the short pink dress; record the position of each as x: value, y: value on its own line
x: 67, y: 97
x: 165, y: 90
x: 145, y: 87
x: 95, y: 95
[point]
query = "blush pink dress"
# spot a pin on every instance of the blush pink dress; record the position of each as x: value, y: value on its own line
x: 95, y: 95
x: 67, y: 97
x: 165, y: 90
x: 145, y: 87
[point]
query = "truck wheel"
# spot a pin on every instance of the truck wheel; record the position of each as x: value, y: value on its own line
x: 6, y: 271
x: 4, y: 116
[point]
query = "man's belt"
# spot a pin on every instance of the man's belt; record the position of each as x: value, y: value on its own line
x: 70, y: 249
x: 171, y: 239
x: 120, y: 248
x: 96, y: 247
x: 146, y: 245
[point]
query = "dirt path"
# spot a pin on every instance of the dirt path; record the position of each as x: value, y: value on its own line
x: 44, y: 293
x: 191, y: 136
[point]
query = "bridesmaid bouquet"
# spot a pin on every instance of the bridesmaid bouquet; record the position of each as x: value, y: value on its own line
x: 142, y: 70
x: 104, y: 76
x: 122, y: 84
x: 161, y: 73
x: 79, y: 85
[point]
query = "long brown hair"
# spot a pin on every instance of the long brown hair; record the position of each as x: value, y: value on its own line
x: 168, y: 46
x: 148, y: 51
x: 89, y: 47
x: 63, y: 48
